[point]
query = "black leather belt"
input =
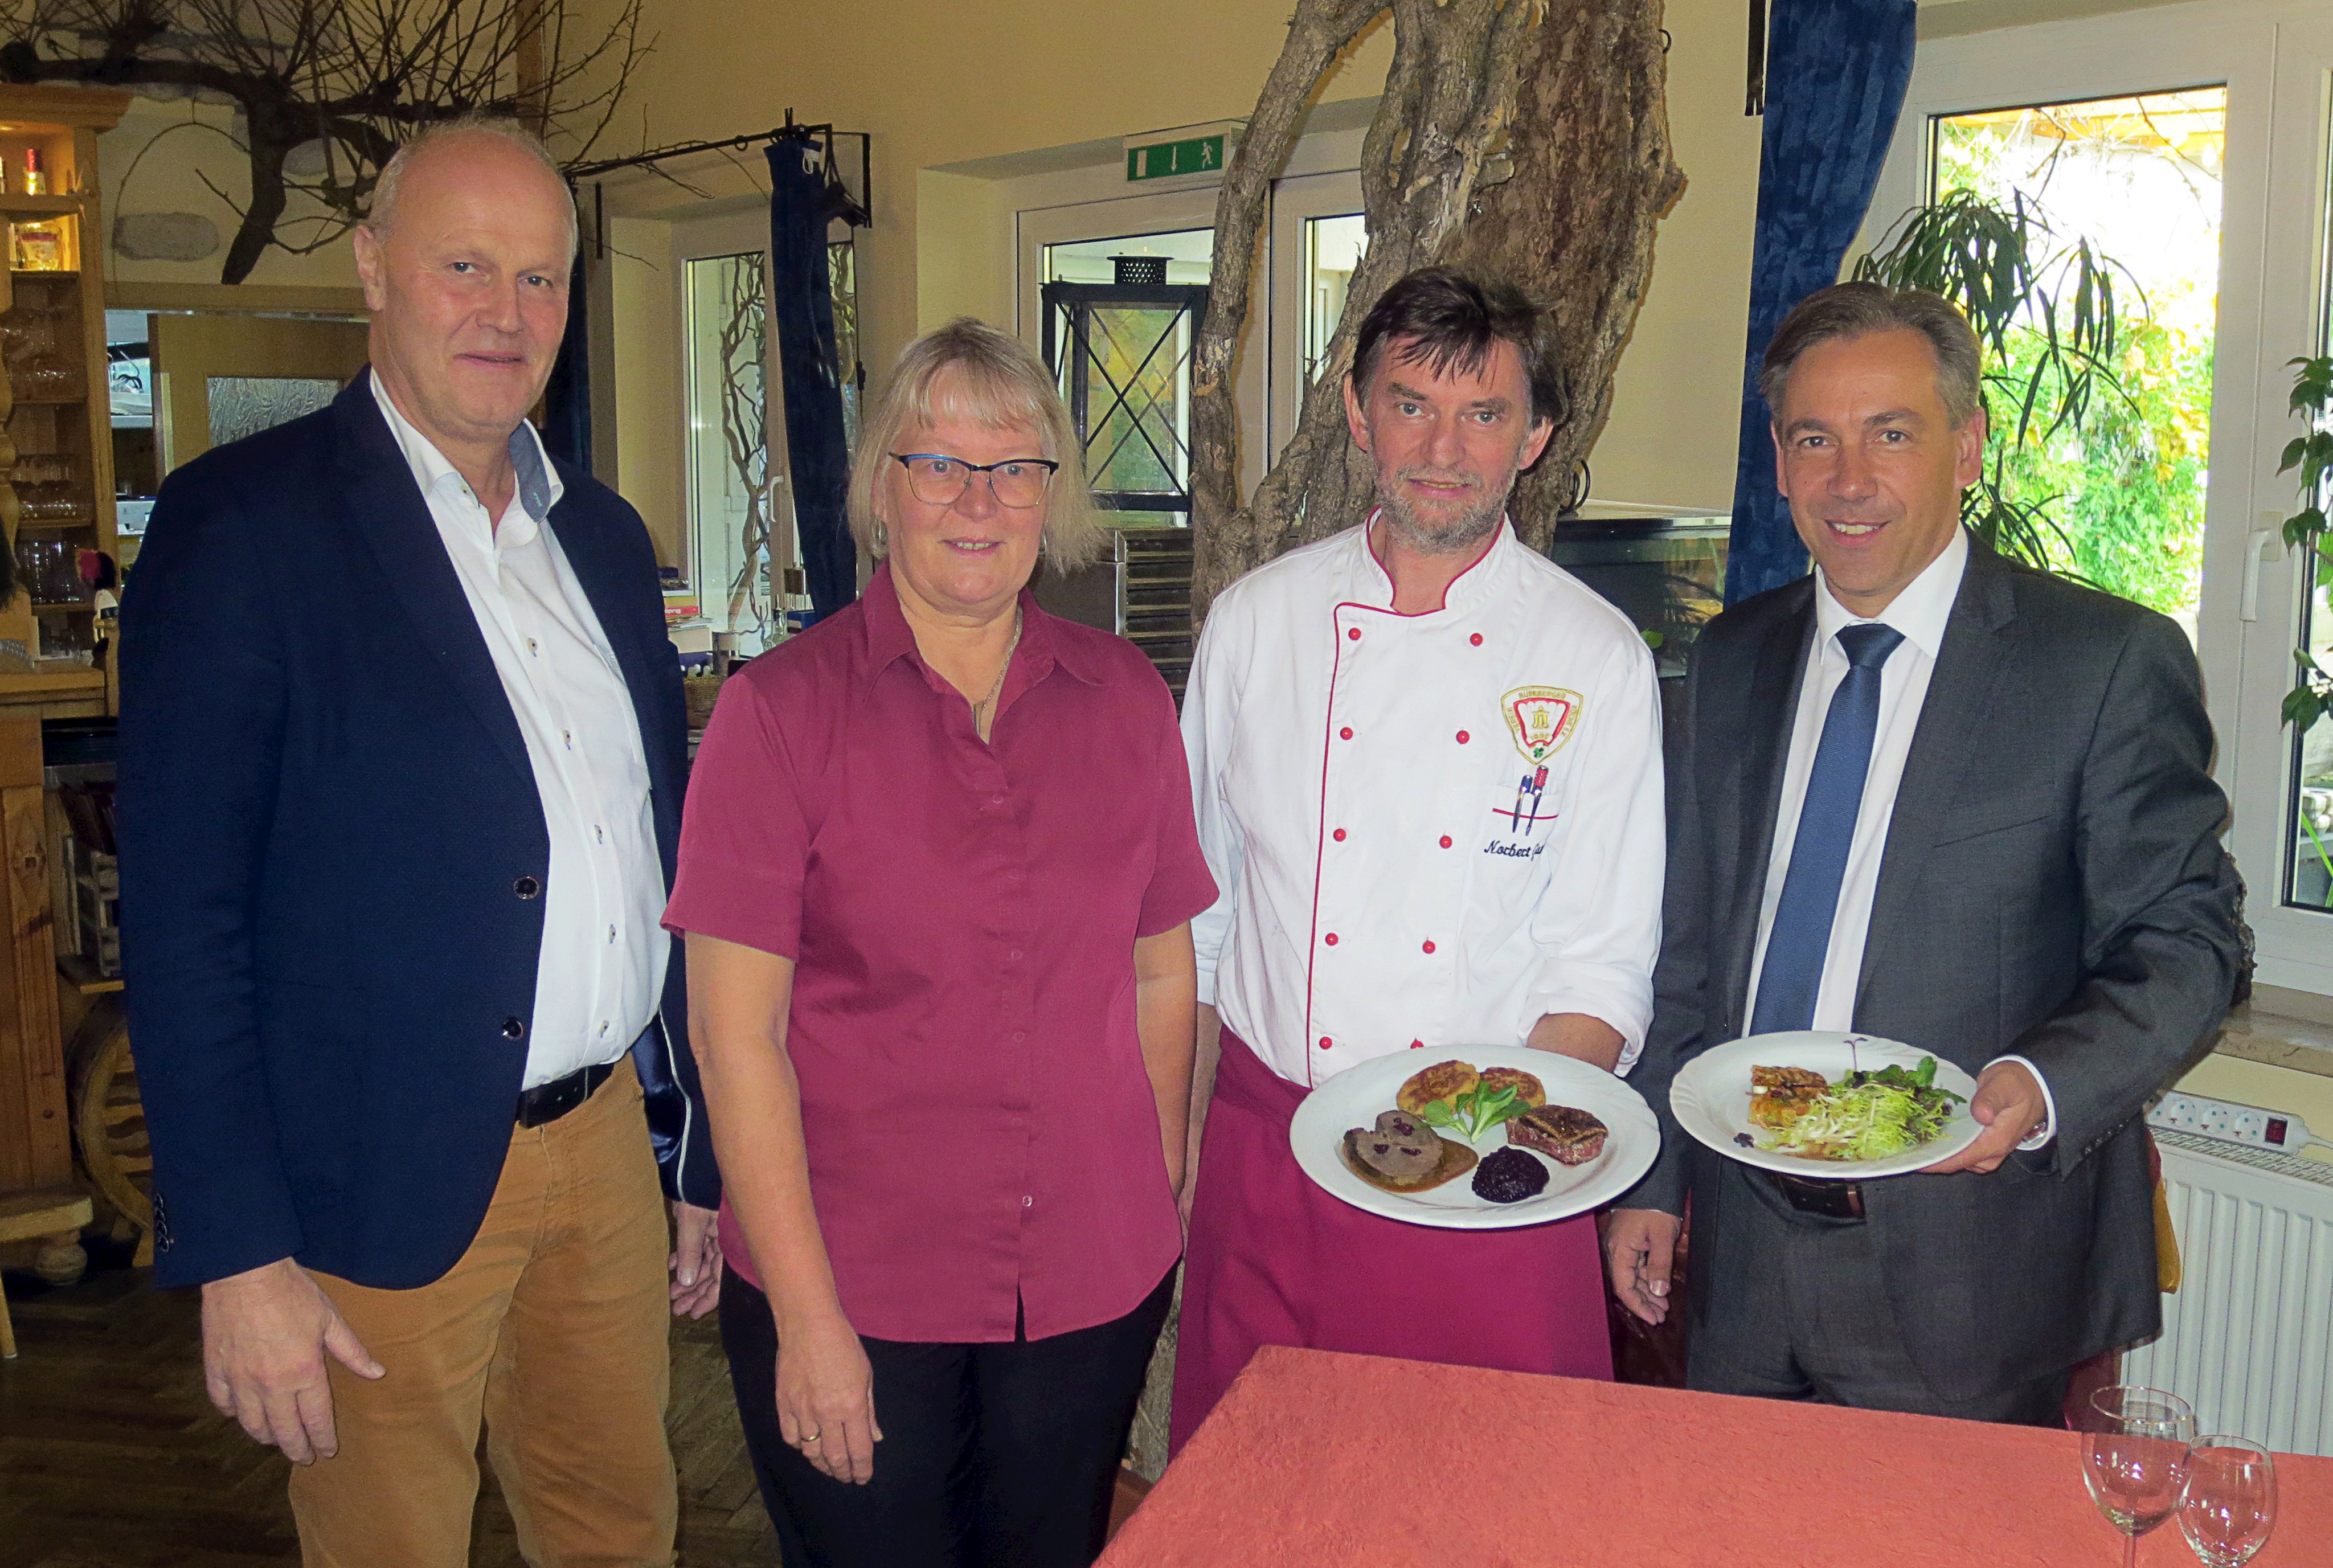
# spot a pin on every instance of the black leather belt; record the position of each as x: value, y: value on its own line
x: 1831, y: 1199
x: 547, y: 1103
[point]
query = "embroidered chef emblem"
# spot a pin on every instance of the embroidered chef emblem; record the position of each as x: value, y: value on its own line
x: 1541, y: 718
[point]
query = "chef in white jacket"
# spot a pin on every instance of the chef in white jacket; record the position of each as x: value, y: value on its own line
x: 1428, y: 776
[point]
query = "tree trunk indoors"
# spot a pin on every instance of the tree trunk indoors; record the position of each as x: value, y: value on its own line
x: 1525, y: 137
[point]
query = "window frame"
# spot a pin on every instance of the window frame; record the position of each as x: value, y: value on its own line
x: 2275, y: 58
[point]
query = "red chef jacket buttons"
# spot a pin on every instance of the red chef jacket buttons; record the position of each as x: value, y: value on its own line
x: 1346, y: 732
x: 1332, y: 938
x: 1462, y: 737
x: 1429, y: 947
x: 1324, y: 1042
x: 1476, y: 639
x: 1446, y: 840
x: 1338, y: 835
x: 1354, y: 633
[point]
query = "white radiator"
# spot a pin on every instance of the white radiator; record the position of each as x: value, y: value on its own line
x: 2248, y: 1338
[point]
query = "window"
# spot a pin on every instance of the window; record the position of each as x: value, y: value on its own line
x: 728, y: 463
x: 2189, y: 141
x: 1121, y: 316
x: 2138, y: 180
x: 1332, y: 249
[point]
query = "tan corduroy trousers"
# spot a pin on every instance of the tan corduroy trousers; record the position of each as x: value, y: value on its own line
x: 552, y: 1327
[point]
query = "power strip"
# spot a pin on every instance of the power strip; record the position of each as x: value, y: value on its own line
x: 2229, y: 1122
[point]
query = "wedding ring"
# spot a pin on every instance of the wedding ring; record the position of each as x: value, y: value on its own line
x: 810, y: 1436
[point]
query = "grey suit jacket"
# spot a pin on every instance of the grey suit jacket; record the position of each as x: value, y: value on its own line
x: 2053, y: 885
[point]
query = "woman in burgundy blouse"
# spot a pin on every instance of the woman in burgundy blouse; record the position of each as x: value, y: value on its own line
x: 937, y: 876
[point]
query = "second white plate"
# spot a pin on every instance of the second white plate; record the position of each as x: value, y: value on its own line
x: 1711, y: 1097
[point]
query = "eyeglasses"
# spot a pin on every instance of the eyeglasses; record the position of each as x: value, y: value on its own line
x: 939, y: 480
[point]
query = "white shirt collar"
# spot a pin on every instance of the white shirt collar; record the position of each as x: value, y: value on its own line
x: 538, y: 488
x: 1920, y: 612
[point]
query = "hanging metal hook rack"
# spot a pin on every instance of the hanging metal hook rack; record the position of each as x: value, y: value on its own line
x: 858, y: 211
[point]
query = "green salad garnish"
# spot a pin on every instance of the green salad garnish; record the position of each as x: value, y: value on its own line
x: 1869, y: 1116
x: 1475, y: 1113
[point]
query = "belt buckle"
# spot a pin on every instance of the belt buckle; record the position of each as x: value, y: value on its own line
x: 1829, y: 1199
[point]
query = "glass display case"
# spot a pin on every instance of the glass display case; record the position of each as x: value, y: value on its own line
x: 1663, y: 566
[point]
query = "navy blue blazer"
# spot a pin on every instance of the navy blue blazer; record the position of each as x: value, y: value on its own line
x: 325, y: 813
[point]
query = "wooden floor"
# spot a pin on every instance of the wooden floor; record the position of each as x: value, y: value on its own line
x: 111, y: 1457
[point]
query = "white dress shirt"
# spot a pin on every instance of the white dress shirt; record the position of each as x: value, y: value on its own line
x: 601, y: 969
x: 1430, y: 831
x: 1920, y: 612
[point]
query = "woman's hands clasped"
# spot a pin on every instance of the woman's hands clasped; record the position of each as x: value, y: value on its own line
x: 826, y: 1398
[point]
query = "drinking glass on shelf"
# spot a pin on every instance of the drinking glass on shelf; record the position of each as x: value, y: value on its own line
x: 2229, y: 1506
x: 2134, y: 1458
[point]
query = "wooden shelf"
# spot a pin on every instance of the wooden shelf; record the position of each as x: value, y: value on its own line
x: 50, y: 683
x: 82, y: 975
x: 12, y: 205
x: 39, y: 275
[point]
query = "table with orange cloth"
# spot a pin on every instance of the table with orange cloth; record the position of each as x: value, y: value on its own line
x: 1317, y: 1459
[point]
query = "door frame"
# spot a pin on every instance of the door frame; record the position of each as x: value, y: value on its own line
x: 1096, y: 201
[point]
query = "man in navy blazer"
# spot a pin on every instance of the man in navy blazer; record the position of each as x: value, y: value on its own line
x: 402, y: 755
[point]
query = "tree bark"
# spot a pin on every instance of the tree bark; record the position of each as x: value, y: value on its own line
x: 1515, y: 136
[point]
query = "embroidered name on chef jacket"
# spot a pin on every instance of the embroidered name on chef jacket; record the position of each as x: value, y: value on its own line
x: 1542, y: 719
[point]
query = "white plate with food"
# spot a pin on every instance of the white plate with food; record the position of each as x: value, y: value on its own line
x: 1474, y: 1137
x: 1828, y: 1106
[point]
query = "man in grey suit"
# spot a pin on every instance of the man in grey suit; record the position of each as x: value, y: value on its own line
x: 1935, y: 796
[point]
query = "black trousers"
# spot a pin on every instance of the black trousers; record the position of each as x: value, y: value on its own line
x: 994, y: 1456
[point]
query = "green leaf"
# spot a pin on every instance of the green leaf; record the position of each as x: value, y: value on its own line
x: 2303, y: 708
x: 2292, y: 453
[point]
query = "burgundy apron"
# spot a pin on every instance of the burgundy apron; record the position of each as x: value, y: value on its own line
x: 1272, y: 1260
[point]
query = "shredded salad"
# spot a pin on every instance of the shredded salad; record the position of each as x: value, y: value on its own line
x: 1869, y: 1116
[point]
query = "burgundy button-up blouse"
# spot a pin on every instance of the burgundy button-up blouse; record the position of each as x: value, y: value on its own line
x: 962, y: 916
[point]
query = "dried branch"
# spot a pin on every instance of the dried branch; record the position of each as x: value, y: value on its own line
x: 357, y: 75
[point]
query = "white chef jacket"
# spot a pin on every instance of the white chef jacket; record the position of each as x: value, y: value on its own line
x: 1432, y: 830
x: 601, y: 972
x: 1921, y: 613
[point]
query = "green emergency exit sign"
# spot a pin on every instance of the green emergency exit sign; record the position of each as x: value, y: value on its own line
x: 1160, y: 159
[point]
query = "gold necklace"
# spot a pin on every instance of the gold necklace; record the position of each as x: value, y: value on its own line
x: 981, y: 709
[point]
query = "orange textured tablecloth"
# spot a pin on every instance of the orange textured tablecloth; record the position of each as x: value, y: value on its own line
x: 1536, y: 1470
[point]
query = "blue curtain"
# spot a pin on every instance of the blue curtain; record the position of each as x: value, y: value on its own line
x: 802, y: 297
x: 567, y: 399
x: 1836, y: 71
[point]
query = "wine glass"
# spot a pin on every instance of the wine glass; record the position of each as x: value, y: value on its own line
x: 2229, y: 1506
x: 2134, y: 1458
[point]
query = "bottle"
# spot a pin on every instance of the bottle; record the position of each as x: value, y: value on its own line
x: 38, y: 247
x: 35, y: 182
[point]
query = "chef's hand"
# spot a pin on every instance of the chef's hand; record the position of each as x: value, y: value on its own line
x: 2009, y: 1103
x: 826, y: 1397
x: 1640, y: 1245
x: 696, y: 1260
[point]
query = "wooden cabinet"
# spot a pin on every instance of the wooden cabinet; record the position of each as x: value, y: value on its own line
x: 56, y: 446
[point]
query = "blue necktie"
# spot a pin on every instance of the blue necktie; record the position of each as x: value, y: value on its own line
x: 1795, y: 949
